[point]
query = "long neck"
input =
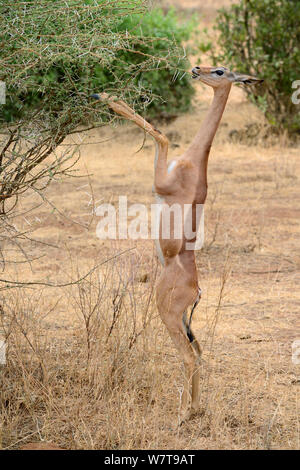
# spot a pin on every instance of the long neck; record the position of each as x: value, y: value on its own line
x: 201, y: 144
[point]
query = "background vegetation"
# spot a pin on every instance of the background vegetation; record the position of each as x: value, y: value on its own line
x: 262, y: 38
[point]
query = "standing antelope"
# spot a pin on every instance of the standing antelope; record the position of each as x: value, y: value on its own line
x: 183, y: 181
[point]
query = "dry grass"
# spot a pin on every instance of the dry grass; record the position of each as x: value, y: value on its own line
x: 90, y: 366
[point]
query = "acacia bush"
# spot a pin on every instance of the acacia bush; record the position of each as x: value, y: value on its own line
x: 262, y: 38
x: 55, y: 54
x: 167, y: 88
x: 61, y: 51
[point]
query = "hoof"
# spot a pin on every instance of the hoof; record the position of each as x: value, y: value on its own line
x: 191, y: 414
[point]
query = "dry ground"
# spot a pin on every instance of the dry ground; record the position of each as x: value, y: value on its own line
x: 90, y: 366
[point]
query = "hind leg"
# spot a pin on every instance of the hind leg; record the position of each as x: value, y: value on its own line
x: 187, y: 258
x: 178, y: 335
x: 176, y: 290
x: 196, y: 374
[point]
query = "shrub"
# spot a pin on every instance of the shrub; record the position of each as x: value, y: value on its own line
x: 262, y: 38
x: 55, y: 54
x: 171, y: 84
x: 114, y: 47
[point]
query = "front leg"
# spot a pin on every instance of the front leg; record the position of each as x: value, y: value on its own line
x: 161, y: 171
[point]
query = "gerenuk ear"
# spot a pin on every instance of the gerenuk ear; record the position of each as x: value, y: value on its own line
x: 246, y: 79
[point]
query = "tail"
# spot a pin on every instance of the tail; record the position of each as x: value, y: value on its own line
x: 188, y: 324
